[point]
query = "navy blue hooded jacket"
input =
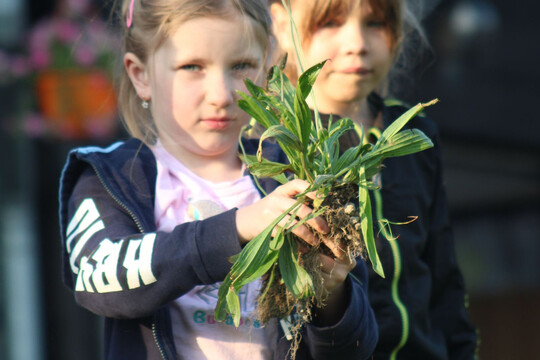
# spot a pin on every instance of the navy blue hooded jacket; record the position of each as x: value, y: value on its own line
x: 420, y: 305
x: 119, y: 267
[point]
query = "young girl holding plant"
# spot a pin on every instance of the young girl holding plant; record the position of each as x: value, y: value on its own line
x: 149, y: 225
x: 420, y: 304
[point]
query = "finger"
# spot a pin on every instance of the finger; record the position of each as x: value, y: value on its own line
x: 303, y: 248
x: 312, y: 195
x: 336, y: 269
x: 317, y: 223
x: 307, y: 235
x: 339, y: 253
x: 301, y: 231
x: 287, y: 222
x: 294, y: 187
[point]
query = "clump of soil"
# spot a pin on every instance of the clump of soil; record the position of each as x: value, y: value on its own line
x: 343, y: 219
x: 276, y: 301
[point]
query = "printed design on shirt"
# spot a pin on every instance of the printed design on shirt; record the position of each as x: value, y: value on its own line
x: 207, y: 317
x: 208, y: 294
x: 203, y: 209
x: 203, y: 314
x: 99, y: 272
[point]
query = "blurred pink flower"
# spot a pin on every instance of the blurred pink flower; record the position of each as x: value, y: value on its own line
x: 40, y: 59
x: 78, y: 6
x: 40, y: 36
x: 66, y: 31
x: 85, y: 55
x: 65, y: 42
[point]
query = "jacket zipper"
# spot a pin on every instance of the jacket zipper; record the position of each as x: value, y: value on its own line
x: 137, y: 222
x: 158, y: 343
x: 141, y: 230
x: 396, y: 254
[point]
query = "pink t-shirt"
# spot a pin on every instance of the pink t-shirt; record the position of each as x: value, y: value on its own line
x: 182, y: 196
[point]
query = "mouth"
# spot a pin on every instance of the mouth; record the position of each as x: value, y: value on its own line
x: 217, y: 123
x: 357, y: 70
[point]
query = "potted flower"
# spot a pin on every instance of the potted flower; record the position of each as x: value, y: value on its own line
x: 70, y: 59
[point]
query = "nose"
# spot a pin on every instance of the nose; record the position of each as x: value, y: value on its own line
x: 353, y: 35
x: 220, y: 90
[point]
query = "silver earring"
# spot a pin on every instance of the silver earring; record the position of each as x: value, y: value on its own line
x: 145, y: 104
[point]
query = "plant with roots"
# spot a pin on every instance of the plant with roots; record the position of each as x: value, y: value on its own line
x: 341, y: 180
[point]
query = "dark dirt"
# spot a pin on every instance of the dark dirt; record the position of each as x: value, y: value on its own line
x: 276, y: 301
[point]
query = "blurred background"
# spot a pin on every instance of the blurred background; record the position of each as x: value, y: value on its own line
x: 55, y: 93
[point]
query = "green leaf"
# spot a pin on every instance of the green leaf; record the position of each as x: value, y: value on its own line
x: 339, y: 128
x: 303, y: 119
x: 233, y: 305
x: 345, y: 161
x: 283, y: 136
x: 263, y: 267
x: 307, y: 79
x: 255, y: 108
x: 256, y: 258
x: 280, y: 84
x: 252, y: 257
x: 398, y: 124
x: 366, y: 224
x: 253, y: 89
x: 270, y: 169
x: 294, y: 276
x: 277, y: 241
x: 322, y: 180
x: 406, y: 142
x: 270, y: 282
x: 221, y: 310
x: 403, y: 143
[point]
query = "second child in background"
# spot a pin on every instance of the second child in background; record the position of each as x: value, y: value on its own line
x: 149, y: 224
x: 421, y: 304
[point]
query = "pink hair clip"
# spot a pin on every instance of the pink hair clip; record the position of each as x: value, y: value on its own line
x: 129, y: 17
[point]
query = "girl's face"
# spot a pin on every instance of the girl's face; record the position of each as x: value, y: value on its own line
x: 358, y: 46
x: 193, y: 80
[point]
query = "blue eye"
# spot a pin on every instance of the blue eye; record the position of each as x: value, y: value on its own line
x: 243, y: 66
x: 190, y: 67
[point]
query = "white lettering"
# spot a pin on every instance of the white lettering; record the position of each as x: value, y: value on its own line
x: 84, y: 221
x: 104, y: 276
x: 140, y: 267
x: 83, y: 279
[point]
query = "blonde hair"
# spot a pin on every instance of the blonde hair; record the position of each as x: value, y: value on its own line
x: 400, y: 21
x: 153, y: 22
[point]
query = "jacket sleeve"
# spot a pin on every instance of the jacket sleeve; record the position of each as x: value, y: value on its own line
x: 449, y: 301
x: 118, y: 270
x: 353, y: 337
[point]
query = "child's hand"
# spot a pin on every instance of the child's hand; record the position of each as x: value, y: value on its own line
x: 334, y: 272
x: 252, y: 220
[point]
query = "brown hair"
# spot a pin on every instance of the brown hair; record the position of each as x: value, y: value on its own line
x: 322, y: 10
x: 153, y: 21
x: 400, y: 22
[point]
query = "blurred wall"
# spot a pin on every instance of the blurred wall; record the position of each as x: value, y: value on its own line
x: 484, y: 70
